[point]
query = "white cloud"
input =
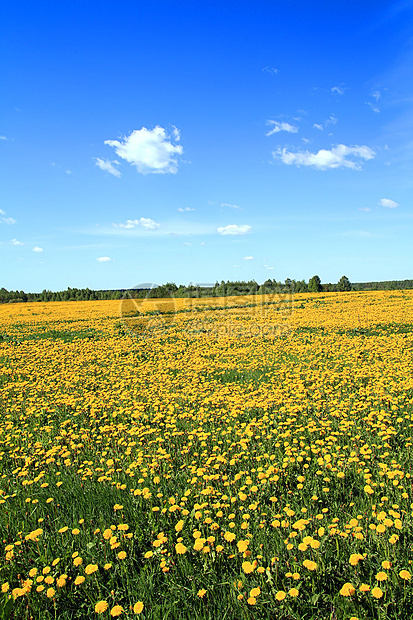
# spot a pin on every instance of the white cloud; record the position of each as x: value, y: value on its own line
x: 3, y: 138
x: 318, y: 126
x: 367, y: 209
x: 331, y: 120
x: 228, y: 204
x: 373, y: 107
x: 183, y: 210
x: 281, y: 126
x: 337, y: 90
x: 15, y: 242
x: 248, y: 257
x: 7, y: 220
x: 271, y: 70
x: 340, y: 156
x: 390, y: 204
x: 104, y: 259
x: 144, y: 222
x: 233, y: 229
x: 2, y: 212
x: 107, y: 166
x: 150, y: 150
x: 37, y: 249
x: 376, y: 95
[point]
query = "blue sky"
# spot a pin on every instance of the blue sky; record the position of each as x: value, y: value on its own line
x: 155, y: 141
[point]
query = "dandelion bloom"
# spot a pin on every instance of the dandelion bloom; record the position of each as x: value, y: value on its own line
x: 117, y: 610
x: 347, y: 590
x: 78, y: 561
x: 229, y: 536
x: 91, y: 568
x: 50, y: 593
x: 251, y: 600
x: 179, y: 526
x: 381, y: 576
x: 148, y: 554
x: 107, y: 534
x: 386, y: 564
x: 138, y: 607
x: 61, y: 581
x: 5, y: 587
x: 364, y: 587
x: 404, y: 574
x: 79, y: 580
x: 377, y: 592
x: 201, y: 593
x: 255, y: 592
x: 101, y: 607
x: 122, y: 555
x: 293, y: 592
x: 355, y: 558
x: 180, y: 549
x: 117, y: 507
x: 75, y: 531
x: 242, y: 545
x: 310, y: 564
x: 280, y: 596
x: 247, y: 567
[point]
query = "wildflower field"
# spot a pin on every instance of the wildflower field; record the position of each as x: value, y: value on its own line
x: 211, y: 459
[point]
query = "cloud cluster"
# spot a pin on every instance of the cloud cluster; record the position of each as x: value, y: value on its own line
x: 280, y: 126
x: 143, y: 222
x: 149, y: 150
x: 340, y: 156
x: 234, y: 229
x: 107, y: 166
x: 37, y: 249
x: 6, y: 220
x: 390, y: 204
x: 104, y: 259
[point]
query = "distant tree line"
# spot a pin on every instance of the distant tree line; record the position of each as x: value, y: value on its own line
x: 219, y: 289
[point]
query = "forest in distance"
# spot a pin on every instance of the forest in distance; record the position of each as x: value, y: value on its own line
x: 219, y: 289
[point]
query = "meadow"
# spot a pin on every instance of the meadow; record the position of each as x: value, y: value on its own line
x: 215, y: 459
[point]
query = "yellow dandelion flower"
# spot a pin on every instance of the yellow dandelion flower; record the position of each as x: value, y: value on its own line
x: 117, y: 610
x: 348, y: 589
x: 377, y: 592
x: 101, y: 607
x: 404, y: 574
x: 201, y: 593
x: 138, y: 607
x: 280, y: 596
